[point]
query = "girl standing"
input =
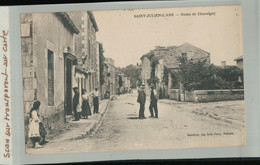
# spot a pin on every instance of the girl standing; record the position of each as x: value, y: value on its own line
x: 34, y: 129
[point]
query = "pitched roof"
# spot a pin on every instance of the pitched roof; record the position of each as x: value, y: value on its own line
x: 148, y: 55
x: 93, y: 20
x: 188, y: 44
x: 238, y: 58
x: 67, y: 22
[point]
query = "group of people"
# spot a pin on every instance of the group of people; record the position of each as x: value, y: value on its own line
x: 153, y: 102
x: 37, y: 132
x: 84, y: 111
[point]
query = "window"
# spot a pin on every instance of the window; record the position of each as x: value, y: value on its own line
x: 50, y: 78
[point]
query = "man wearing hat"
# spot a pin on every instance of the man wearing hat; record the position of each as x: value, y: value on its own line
x: 141, y: 100
x: 75, y: 103
x: 153, y: 102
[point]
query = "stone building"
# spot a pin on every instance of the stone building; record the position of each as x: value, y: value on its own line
x: 191, y: 52
x: 146, y: 69
x: 154, y: 62
x: 47, y: 41
x: 86, y: 50
x: 239, y: 62
x: 111, y: 76
x: 105, y: 88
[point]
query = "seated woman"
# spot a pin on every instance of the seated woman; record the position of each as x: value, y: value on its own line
x: 85, y: 104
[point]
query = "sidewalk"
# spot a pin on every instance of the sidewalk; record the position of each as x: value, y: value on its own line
x: 84, y: 127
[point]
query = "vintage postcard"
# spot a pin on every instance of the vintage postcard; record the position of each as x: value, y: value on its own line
x: 139, y: 79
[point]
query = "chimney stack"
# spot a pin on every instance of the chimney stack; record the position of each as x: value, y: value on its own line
x: 223, y: 64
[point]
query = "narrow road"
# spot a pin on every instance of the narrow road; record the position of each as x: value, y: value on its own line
x: 176, y: 127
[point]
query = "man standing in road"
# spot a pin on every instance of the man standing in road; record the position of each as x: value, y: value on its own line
x: 75, y: 103
x: 153, y: 102
x: 96, y: 100
x: 141, y: 100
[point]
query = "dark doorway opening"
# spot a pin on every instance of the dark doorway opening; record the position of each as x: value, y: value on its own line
x: 68, y: 62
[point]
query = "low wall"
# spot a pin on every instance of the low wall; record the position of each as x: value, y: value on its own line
x: 174, y: 94
x: 214, y: 95
x: 207, y: 95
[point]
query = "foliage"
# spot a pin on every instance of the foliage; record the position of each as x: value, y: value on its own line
x: 101, y: 64
x: 202, y: 76
x: 153, y: 79
x: 230, y: 74
x: 133, y: 72
x: 165, y: 77
x: 120, y: 81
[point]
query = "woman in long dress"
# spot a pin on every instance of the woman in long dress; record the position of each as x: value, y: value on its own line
x: 85, y: 104
x: 34, y: 129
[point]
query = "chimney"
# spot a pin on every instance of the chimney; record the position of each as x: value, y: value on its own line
x: 223, y: 64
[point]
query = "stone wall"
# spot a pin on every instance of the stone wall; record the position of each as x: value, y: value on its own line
x: 214, y: 95
x: 174, y: 94
x: 207, y: 95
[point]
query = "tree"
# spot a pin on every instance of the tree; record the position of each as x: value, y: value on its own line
x: 197, y: 75
x: 231, y: 75
x: 165, y: 77
x: 133, y: 72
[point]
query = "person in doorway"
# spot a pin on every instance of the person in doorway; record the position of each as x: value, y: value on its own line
x: 34, y: 128
x: 85, y: 104
x: 76, y: 103
x: 141, y: 100
x: 153, y: 102
x: 96, y: 100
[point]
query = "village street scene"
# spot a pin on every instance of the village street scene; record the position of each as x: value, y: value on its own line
x: 90, y: 85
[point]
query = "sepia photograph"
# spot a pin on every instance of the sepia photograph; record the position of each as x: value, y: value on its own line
x: 133, y: 79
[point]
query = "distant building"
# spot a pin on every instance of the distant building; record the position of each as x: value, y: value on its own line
x: 105, y: 88
x: 239, y: 62
x: 154, y: 62
x: 127, y: 84
x: 111, y: 75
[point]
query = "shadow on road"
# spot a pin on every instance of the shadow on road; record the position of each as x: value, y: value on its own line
x: 132, y: 118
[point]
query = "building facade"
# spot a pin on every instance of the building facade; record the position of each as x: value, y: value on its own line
x: 48, y: 60
x: 86, y: 49
x: 154, y: 63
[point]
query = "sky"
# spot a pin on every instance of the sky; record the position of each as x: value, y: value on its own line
x: 127, y: 35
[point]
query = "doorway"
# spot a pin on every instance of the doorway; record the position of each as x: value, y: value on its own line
x: 68, y: 86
